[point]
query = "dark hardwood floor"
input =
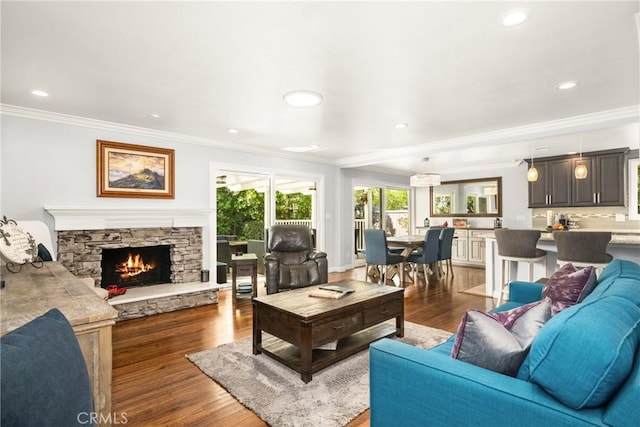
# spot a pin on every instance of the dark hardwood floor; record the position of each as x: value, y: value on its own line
x: 154, y: 384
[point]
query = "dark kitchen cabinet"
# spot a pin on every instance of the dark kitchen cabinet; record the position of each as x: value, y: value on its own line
x: 553, y: 187
x: 604, y: 185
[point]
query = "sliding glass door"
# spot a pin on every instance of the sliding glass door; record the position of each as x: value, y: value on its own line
x: 380, y: 208
x: 242, y: 201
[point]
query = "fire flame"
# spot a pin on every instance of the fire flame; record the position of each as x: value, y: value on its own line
x: 133, y: 266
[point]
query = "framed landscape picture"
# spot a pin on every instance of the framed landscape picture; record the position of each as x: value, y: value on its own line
x: 137, y: 171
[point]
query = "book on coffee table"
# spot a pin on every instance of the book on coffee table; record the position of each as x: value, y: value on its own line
x: 324, y: 293
x: 336, y: 288
x: 330, y: 291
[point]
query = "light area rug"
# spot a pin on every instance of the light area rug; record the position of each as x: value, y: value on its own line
x: 335, y: 396
x: 479, y: 290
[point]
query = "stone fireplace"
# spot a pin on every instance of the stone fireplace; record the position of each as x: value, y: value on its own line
x: 86, y: 234
x: 136, y: 266
x: 82, y: 251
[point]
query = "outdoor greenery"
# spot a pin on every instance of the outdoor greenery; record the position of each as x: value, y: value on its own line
x: 293, y: 206
x: 237, y: 208
x: 442, y: 204
x: 241, y: 213
x: 396, y: 200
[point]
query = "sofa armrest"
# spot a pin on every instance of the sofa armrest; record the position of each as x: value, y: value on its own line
x: 412, y: 386
x: 525, y: 292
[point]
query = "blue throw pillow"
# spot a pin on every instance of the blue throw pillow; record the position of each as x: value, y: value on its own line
x: 584, y: 353
x: 43, y: 253
x: 499, y: 342
x: 44, y: 379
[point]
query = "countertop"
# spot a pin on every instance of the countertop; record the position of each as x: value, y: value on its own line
x: 616, y: 238
x: 621, y: 237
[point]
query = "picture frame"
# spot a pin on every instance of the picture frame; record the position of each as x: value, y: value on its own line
x: 135, y: 171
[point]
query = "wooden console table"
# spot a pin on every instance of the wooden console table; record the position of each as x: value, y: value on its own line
x: 34, y: 291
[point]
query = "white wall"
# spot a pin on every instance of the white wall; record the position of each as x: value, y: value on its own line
x: 46, y: 162
x: 515, y: 213
x: 349, y: 179
x: 51, y: 163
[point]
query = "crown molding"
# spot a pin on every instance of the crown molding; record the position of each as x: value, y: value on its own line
x: 585, y: 122
x: 102, y: 125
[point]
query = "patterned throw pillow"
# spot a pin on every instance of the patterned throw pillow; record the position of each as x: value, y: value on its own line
x: 568, y: 286
x: 500, y: 341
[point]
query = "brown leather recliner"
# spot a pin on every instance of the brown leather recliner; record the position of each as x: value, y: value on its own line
x: 290, y: 261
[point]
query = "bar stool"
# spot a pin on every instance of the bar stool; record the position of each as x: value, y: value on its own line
x: 518, y: 246
x: 583, y: 248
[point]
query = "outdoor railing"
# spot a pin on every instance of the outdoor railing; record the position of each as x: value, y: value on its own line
x: 359, y: 226
x: 306, y: 222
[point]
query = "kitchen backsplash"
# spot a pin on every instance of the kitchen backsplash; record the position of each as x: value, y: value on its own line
x: 595, y: 218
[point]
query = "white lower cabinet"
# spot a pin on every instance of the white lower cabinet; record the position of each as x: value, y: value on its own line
x: 476, y: 250
x: 459, y: 247
x: 469, y: 247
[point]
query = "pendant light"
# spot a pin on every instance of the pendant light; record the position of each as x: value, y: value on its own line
x: 425, y: 179
x: 532, y: 173
x: 581, y: 170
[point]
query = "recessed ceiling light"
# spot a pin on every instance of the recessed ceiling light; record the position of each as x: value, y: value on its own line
x: 304, y: 149
x: 38, y: 92
x: 542, y: 148
x: 155, y: 115
x: 566, y: 85
x: 233, y: 130
x: 515, y: 17
x: 401, y: 125
x: 571, y: 153
x: 302, y: 98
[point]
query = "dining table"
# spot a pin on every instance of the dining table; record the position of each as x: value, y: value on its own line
x: 409, y: 244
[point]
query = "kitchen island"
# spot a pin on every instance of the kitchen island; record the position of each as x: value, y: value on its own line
x: 624, y: 244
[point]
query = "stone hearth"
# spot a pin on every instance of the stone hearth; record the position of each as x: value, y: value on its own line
x: 155, y: 299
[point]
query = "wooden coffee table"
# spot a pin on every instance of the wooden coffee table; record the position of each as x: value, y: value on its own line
x: 299, y: 324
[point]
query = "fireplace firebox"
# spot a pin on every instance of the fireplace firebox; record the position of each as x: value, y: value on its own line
x: 136, y: 266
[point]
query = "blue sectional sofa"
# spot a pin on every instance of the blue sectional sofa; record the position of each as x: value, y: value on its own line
x: 583, y: 369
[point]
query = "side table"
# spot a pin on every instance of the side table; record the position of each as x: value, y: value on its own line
x: 244, y: 265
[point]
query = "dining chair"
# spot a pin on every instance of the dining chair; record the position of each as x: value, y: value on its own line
x: 428, y: 254
x: 445, y: 248
x: 583, y: 248
x: 377, y: 254
x: 517, y: 246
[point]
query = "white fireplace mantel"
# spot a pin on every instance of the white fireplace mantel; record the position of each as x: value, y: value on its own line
x: 101, y: 218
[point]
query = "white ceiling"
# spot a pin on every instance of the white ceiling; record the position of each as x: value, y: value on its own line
x: 474, y: 93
